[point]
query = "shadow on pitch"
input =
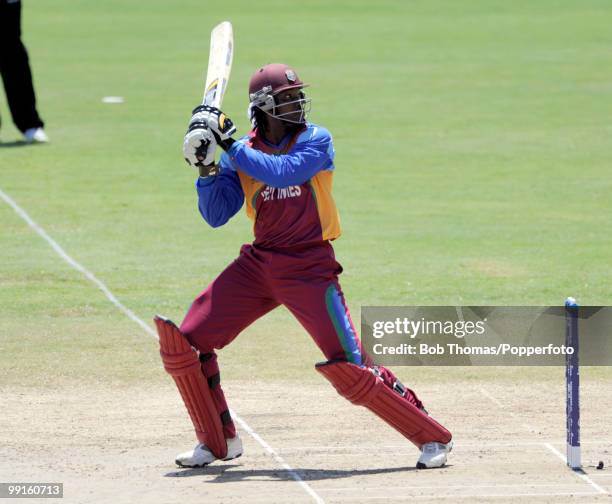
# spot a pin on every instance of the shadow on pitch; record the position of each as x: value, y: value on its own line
x: 15, y: 143
x: 21, y: 143
x: 227, y: 473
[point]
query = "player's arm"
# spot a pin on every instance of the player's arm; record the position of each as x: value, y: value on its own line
x: 306, y: 159
x: 220, y: 196
x: 312, y: 153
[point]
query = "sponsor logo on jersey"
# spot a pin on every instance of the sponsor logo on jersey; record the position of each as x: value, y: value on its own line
x: 280, y: 193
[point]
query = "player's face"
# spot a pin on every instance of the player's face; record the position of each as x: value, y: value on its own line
x: 289, y: 104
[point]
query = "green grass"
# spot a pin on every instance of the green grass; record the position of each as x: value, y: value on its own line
x: 472, y: 145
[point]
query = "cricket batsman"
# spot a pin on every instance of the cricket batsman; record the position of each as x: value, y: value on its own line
x: 282, y: 171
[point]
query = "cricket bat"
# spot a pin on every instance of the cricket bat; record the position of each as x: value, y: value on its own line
x: 219, y: 64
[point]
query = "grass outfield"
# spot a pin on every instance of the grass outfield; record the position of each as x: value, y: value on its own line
x: 473, y: 149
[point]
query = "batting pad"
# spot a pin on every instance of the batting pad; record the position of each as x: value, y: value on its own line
x: 182, y: 363
x: 360, y: 386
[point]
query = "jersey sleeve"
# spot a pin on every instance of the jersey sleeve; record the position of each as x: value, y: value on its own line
x: 220, y: 197
x: 313, y: 152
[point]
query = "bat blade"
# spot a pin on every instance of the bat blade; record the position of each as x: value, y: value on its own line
x: 219, y: 64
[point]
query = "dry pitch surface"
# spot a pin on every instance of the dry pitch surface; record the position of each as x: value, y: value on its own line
x: 115, y: 442
x: 118, y: 445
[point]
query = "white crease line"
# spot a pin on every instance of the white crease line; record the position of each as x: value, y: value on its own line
x: 363, y: 448
x: 278, y: 458
x: 549, y: 446
x: 126, y: 311
x: 491, y: 397
x: 88, y: 274
x: 511, y: 413
x: 580, y: 474
x: 406, y: 498
x: 458, y: 487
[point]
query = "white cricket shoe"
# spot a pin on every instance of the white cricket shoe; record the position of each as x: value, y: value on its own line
x: 201, y: 456
x: 36, y: 135
x: 434, y: 455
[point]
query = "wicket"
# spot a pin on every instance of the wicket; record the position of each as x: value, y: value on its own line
x: 572, y: 384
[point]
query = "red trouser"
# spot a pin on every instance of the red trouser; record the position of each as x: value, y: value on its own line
x: 305, y: 280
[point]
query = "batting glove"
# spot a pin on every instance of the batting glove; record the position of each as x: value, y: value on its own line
x: 199, y: 146
x: 219, y: 124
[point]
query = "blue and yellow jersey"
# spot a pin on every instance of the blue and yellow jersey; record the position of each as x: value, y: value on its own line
x: 287, y: 188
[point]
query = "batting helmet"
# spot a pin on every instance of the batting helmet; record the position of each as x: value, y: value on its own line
x: 269, y: 81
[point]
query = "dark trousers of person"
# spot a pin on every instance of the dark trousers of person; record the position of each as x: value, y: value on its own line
x: 15, y: 68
